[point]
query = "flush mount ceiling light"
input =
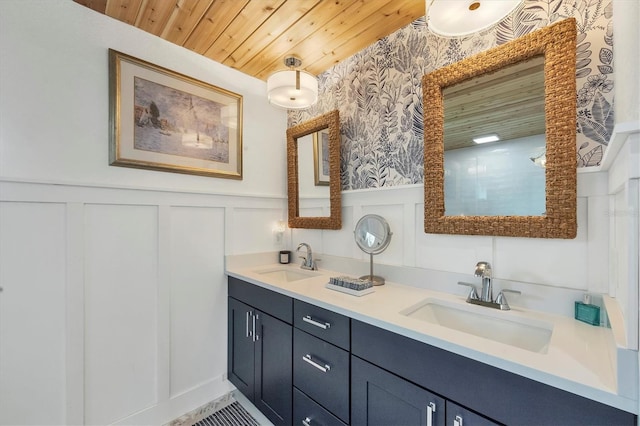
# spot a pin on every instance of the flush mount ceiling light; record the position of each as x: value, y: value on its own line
x: 486, y: 139
x: 292, y: 89
x: 456, y: 18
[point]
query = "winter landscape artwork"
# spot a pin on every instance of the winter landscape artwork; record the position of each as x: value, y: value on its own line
x: 162, y: 120
x: 321, y: 157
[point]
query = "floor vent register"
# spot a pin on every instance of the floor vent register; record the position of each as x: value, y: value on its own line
x: 232, y: 415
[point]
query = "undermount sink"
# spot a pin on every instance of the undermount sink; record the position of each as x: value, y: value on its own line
x: 286, y: 274
x: 499, y: 326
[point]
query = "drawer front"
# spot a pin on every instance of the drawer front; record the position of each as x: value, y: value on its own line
x: 306, y: 412
x: 270, y: 302
x: 327, y: 325
x: 321, y: 370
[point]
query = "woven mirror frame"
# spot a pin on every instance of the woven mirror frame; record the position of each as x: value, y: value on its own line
x: 557, y: 43
x: 330, y: 121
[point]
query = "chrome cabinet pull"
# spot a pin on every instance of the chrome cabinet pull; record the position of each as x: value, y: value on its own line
x: 457, y: 421
x: 311, y: 321
x: 307, y: 358
x: 431, y: 408
x: 306, y: 422
x: 248, y: 333
x: 255, y: 334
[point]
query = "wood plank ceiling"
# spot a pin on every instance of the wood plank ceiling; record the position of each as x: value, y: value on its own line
x: 254, y: 36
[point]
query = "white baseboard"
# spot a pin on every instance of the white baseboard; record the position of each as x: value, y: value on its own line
x: 197, y: 401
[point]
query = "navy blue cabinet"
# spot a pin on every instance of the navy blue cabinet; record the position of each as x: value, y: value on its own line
x: 305, y: 365
x: 473, y: 388
x: 260, y: 354
x: 379, y: 398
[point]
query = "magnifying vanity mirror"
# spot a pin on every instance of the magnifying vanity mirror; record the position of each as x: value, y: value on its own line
x: 313, y: 169
x: 372, y: 234
x: 524, y: 92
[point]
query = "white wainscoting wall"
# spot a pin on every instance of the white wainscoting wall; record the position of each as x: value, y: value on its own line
x: 580, y: 263
x: 120, y: 293
x: 114, y: 299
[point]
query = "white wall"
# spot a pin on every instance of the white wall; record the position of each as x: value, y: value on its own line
x: 626, y: 30
x: 54, y: 82
x: 114, y: 297
x: 626, y: 55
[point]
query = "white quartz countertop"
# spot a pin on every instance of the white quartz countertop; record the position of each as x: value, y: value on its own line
x: 579, y: 358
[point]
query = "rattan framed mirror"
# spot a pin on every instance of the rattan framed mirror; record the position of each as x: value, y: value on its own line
x: 331, y: 122
x: 557, y: 44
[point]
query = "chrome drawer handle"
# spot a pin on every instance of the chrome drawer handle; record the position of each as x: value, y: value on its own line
x: 457, y: 421
x: 311, y: 321
x: 431, y: 408
x: 306, y: 422
x: 324, y: 369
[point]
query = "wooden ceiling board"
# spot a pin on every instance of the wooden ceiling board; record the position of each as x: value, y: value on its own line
x: 155, y: 16
x: 184, y: 19
x: 124, y: 10
x: 99, y: 6
x: 271, y: 59
x: 254, y: 36
x: 396, y: 14
x: 277, y: 24
x: 215, y: 22
x: 240, y: 29
x: 326, y: 37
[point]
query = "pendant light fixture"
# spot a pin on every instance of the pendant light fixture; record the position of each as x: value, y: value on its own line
x: 457, y: 18
x: 292, y: 88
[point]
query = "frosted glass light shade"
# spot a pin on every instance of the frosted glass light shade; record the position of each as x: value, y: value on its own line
x: 282, y: 92
x: 455, y: 18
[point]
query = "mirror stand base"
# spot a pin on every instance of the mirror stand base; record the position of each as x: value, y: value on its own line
x: 375, y: 280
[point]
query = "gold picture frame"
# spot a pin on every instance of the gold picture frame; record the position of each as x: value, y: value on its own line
x: 163, y: 120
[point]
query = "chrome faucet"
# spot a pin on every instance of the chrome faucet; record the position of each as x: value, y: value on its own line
x: 483, y: 270
x: 307, y: 261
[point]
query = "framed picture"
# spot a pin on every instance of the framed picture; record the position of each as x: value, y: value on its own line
x: 163, y: 120
x: 321, y: 157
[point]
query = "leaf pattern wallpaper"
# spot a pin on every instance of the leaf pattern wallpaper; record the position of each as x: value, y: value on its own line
x: 379, y: 95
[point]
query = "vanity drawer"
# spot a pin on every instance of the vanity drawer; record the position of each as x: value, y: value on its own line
x: 306, y: 412
x: 270, y: 302
x: 327, y: 325
x: 321, y: 370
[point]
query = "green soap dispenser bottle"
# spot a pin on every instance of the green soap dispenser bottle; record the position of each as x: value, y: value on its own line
x: 586, y: 312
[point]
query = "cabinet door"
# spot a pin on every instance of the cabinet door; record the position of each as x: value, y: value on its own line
x: 382, y: 398
x: 460, y: 416
x: 274, y: 377
x: 241, y: 355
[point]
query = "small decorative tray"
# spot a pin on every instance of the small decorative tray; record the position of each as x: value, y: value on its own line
x: 349, y: 290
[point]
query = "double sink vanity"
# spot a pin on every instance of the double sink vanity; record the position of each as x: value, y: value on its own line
x: 309, y: 355
x: 306, y: 354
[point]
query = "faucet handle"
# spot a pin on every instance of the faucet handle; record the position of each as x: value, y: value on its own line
x: 502, y: 300
x: 473, y: 295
